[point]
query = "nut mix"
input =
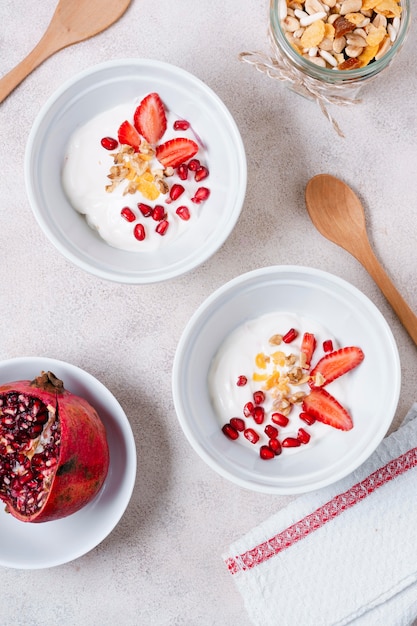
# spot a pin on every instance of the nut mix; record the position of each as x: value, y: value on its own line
x: 341, y: 35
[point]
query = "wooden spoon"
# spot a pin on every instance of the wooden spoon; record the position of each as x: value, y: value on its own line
x: 338, y: 215
x: 73, y: 21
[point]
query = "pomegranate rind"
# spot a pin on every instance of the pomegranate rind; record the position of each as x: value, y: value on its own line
x: 83, y: 460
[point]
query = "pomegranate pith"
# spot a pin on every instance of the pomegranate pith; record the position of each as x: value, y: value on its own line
x: 54, y: 454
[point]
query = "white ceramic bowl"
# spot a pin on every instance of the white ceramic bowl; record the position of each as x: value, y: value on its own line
x: 373, y: 387
x: 104, y: 87
x: 35, y: 546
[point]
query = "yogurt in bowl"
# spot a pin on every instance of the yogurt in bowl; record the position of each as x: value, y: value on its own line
x: 95, y: 105
x: 229, y: 335
x: 267, y: 386
x: 114, y: 177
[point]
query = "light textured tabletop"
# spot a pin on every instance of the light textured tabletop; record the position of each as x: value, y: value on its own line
x: 162, y: 564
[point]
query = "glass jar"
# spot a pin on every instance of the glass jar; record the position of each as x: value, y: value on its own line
x: 333, y: 84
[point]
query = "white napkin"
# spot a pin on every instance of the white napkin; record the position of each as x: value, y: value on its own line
x: 341, y: 555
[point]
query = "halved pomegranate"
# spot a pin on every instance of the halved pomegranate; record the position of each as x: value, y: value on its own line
x: 54, y: 454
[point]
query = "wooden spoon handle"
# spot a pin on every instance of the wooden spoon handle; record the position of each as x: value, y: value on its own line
x: 367, y: 258
x: 47, y: 46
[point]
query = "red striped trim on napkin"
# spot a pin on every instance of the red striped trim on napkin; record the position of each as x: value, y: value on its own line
x: 323, y: 514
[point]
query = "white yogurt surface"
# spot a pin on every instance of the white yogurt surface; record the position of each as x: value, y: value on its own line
x: 236, y: 357
x: 85, y: 176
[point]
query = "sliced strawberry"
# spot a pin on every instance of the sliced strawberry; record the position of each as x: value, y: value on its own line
x: 308, y: 345
x: 128, y: 135
x: 150, y: 119
x: 174, y: 152
x: 335, y: 364
x: 325, y: 408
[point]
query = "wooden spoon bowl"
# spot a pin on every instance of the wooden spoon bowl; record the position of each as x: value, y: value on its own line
x: 338, y: 215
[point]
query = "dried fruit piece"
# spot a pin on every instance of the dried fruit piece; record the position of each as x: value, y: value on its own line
x: 342, y: 26
x: 174, y: 152
x: 150, y: 119
x: 335, y: 364
x: 128, y: 135
x: 350, y: 64
x: 54, y: 455
x: 325, y: 408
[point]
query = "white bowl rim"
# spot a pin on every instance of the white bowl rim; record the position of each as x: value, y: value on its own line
x: 193, y: 323
x: 110, y: 512
x: 169, y: 271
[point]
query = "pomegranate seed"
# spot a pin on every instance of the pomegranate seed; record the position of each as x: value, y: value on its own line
x: 291, y: 442
x: 183, y: 212
x: 275, y: 446
x: 176, y: 191
x: 200, y: 195
x: 307, y: 418
x: 328, y: 345
x: 109, y: 143
x: 182, y: 171
x: 158, y: 213
x: 271, y: 431
x: 259, y: 397
x: 280, y: 419
x: 194, y: 164
x: 248, y: 409
x: 303, y: 436
x: 251, y: 435
x: 230, y: 432
x: 241, y: 381
x: 139, y: 232
x: 266, y: 453
x: 162, y: 227
x: 201, y: 173
x: 259, y: 414
x: 128, y: 214
x: 145, y: 209
x: 181, y: 125
x: 238, y: 423
x: 290, y: 336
